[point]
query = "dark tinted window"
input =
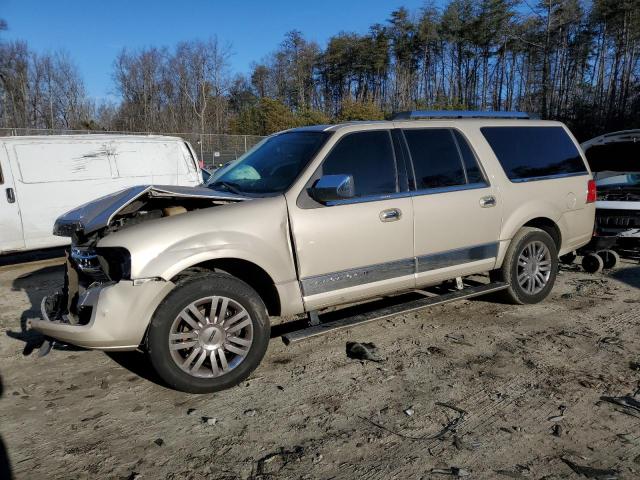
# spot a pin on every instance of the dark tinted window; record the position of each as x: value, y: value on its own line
x: 271, y: 166
x: 436, y: 161
x: 530, y: 152
x: 368, y: 156
x: 474, y: 174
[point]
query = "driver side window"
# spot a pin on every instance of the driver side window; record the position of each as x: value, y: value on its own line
x: 369, y: 158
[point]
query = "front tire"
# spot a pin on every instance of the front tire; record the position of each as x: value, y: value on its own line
x: 530, y: 267
x: 209, y: 334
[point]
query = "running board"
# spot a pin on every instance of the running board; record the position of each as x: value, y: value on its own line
x: 358, y: 319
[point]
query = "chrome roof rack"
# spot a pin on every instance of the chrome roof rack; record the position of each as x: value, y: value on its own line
x: 420, y: 114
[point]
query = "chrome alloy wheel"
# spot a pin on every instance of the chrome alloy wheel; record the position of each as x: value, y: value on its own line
x: 211, y: 337
x: 534, y: 267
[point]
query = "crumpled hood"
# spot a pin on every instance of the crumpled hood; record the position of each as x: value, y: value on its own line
x: 97, y: 214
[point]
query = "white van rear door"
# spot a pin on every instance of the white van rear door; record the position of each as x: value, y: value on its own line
x: 192, y: 174
x: 11, y: 237
x: 148, y: 162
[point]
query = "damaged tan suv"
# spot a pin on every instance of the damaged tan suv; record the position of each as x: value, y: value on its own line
x: 320, y: 217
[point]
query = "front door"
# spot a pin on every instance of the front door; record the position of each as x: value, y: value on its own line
x: 357, y: 248
x: 457, y: 212
x: 11, y: 237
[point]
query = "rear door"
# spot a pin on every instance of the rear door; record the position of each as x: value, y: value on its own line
x: 11, y: 237
x: 457, y: 213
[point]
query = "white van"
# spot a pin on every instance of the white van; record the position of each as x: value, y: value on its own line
x: 42, y: 177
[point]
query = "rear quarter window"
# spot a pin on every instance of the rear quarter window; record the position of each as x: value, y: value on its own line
x: 531, y: 153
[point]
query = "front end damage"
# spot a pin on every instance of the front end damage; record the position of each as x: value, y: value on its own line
x: 614, y: 159
x: 99, y: 305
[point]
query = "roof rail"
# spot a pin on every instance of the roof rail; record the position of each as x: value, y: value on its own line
x: 418, y: 114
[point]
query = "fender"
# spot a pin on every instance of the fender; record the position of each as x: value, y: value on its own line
x: 166, y: 246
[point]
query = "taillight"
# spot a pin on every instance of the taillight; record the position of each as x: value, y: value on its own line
x: 591, y: 191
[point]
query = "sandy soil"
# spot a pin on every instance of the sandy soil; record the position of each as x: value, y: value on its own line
x: 529, y: 380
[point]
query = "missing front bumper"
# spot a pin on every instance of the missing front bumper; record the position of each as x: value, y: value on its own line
x: 117, y: 318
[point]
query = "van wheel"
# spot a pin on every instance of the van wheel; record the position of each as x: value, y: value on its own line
x: 529, y: 267
x: 209, y: 334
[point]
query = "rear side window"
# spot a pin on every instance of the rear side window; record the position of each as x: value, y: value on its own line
x: 534, y: 152
x: 474, y: 175
x: 441, y: 158
x: 369, y: 158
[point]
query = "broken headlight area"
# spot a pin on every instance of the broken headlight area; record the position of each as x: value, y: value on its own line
x: 100, y: 264
x: 88, y: 269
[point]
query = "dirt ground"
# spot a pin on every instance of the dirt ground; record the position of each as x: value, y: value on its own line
x: 473, y: 389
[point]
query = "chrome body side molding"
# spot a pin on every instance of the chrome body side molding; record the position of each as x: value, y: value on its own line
x: 399, y: 268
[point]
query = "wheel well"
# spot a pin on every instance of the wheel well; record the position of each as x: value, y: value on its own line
x: 548, y: 226
x: 248, y: 272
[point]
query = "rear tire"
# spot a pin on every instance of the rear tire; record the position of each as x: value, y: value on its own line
x: 209, y: 334
x: 609, y: 258
x: 530, y: 267
x: 592, y: 263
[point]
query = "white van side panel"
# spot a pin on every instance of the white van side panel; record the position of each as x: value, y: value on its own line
x: 54, y: 175
x: 52, y: 178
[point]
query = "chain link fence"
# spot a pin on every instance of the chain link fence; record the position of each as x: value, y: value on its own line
x: 213, y: 149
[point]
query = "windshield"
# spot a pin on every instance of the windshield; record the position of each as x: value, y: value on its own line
x: 271, y: 166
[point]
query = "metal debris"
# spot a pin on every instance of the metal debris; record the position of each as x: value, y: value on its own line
x: 449, y: 427
x: 626, y: 401
x: 363, y: 351
x: 590, y: 472
x: 209, y: 420
x: 453, y: 471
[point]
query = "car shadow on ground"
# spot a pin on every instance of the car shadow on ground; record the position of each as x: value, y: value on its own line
x: 36, y: 285
x: 629, y: 276
x: 5, y: 464
x: 137, y: 363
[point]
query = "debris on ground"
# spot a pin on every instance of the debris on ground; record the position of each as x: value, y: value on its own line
x: 459, y: 339
x: 630, y: 404
x: 590, y: 472
x: 250, y: 413
x: 409, y: 411
x: 452, y: 471
x: 209, y: 420
x: 560, y: 416
x: 190, y: 411
x: 273, y: 463
x: 556, y: 431
x: 449, y: 427
x: 518, y: 472
x: 363, y: 351
x: 159, y: 442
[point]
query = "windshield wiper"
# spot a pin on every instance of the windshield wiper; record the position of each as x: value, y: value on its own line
x: 232, y: 187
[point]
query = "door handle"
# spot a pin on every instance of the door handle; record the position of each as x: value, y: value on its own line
x: 390, y: 215
x: 11, y: 196
x: 488, y: 201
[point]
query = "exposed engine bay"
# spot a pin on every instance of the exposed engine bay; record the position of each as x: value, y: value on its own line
x: 614, y: 159
x: 89, y: 266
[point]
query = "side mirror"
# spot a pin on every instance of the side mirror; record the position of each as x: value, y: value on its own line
x: 333, y: 187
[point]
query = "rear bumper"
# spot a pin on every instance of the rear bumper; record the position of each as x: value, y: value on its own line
x: 120, y: 314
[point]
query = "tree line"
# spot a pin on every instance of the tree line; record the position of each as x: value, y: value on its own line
x: 571, y: 60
